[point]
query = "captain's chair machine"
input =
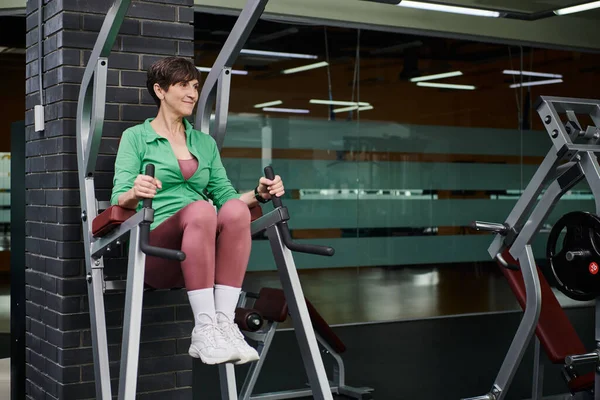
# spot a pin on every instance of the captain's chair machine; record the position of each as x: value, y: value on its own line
x: 116, y: 225
x: 573, y: 252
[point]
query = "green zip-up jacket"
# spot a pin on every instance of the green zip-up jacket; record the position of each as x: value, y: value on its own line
x: 140, y: 145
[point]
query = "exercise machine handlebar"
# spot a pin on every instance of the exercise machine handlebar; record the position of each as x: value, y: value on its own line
x: 145, y: 233
x: 286, y: 237
x: 502, y: 229
x: 589, y: 358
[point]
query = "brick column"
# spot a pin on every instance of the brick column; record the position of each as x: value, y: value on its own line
x: 58, y: 354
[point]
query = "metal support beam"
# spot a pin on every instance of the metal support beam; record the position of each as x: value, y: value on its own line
x: 305, y: 335
x: 230, y: 52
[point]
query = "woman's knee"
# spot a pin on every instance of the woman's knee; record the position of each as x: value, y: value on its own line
x: 200, y: 213
x: 234, y: 212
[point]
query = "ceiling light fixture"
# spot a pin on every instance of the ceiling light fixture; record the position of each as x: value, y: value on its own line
x: 286, y: 110
x: 530, y: 73
x: 437, y: 76
x: 536, y: 83
x: 352, y: 108
x: 276, y: 54
x: 268, y: 104
x: 305, y: 68
x: 578, y: 8
x: 338, y: 103
x: 233, y: 71
x: 449, y: 9
x: 446, y: 86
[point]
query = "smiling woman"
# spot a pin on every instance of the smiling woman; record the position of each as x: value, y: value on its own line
x: 188, y: 173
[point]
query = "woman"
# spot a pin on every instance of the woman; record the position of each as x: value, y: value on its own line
x: 188, y: 173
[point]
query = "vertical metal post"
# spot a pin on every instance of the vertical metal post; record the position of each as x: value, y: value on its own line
x: 89, y: 121
x: 255, y: 368
x: 538, y: 373
x: 227, y: 382
x: 222, y: 108
x: 227, y: 56
x: 132, y: 320
x: 305, y: 335
x: 526, y: 327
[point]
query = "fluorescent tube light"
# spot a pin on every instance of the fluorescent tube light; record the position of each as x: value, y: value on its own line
x: 286, y: 110
x: 446, y: 86
x: 529, y: 73
x: 536, y: 83
x: 268, y: 104
x: 345, y: 109
x: 578, y: 8
x: 437, y: 76
x: 277, y: 54
x: 338, y: 103
x: 450, y: 9
x: 305, y: 68
x: 233, y: 71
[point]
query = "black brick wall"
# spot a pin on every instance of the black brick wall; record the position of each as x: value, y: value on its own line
x: 58, y: 336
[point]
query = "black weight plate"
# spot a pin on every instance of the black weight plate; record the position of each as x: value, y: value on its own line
x: 578, y: 279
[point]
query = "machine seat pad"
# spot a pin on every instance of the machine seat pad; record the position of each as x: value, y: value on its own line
x: 272, y: 306
x: 554, y: 330
x: 110, y: 219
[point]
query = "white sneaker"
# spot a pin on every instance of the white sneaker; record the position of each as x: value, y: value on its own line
x: 236, y: 339
x: 209, y: 344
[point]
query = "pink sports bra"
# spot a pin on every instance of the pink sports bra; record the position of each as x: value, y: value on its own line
x: 188, y: 167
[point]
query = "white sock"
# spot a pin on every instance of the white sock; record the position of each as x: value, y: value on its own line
x: 202, y: 302
x: 226, y: 299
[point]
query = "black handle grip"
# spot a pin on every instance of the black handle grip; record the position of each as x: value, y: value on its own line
x: 286, y: 237
x: 157, y: 251
x: 150, y: 172
x: 145, y: 233
x: 270, y: 174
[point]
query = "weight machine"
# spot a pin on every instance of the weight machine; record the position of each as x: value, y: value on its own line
x: 573, y: 251
x: 115, y: 225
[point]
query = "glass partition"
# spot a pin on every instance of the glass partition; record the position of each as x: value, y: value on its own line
x: 390, y: 145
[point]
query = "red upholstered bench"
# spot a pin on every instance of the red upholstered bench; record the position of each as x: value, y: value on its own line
x: 272, y: 306
x: 554, y: 330
x: 114, y: 216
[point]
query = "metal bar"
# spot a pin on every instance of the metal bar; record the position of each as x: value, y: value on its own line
x: 229, y: 53
x: 564, y: 104
x: 553, y: 124
x: 526, y: 202
x: 100, y: 244
x: 597, y: 338
x: 98, y: 333
x: 303, y: 328
x: 254, y: 371
x: 98, y: 104
x: 88, y: 119
x: 271, y: 218
x: 285, y: 394
x: 222, y: 108
x: 538, y: 372
x: 591, y: 169
x: 526, y: 327
x: 543, y: 209
x: 88, y: 105
x: 132, y: 321
x: 227, y: 381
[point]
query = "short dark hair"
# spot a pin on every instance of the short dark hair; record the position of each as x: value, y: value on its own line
x: 168, y: 71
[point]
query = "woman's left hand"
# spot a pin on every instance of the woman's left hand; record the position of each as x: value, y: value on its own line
x: 268, y: 188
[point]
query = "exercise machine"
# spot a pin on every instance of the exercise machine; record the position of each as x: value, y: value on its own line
x: 573, y: 252
x: 115, y: 225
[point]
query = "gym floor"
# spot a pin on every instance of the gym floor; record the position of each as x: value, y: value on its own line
x: 431, y: 319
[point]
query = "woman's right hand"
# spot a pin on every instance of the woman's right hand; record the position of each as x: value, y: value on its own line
x: 145, y: 187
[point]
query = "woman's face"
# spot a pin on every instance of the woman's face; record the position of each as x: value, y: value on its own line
x: 181, y: 97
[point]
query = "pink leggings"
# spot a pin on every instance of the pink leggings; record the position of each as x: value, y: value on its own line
x: 217, y: 247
